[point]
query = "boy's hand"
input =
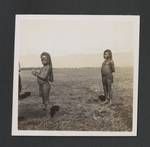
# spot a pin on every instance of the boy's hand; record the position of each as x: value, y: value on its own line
x: 51, y: 83
x: 35, y: 73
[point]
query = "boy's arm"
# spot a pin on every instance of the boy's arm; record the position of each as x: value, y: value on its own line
x: 51, y: 78
x: 35, y: 73
x: 112, y: 66
x: 44, y: 74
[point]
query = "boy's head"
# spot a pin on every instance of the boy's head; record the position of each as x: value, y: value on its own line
x: 45, y: 58
x: 107, y: 54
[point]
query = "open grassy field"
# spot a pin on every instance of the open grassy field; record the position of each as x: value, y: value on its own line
x: 76, y: 92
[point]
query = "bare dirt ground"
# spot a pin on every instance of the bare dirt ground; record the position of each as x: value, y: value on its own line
x: 76, y: 92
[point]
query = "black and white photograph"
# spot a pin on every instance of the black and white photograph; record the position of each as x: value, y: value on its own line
x: 75, y: 75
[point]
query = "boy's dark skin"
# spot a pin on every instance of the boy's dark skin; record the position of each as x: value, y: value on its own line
x: 43, y: 81
x: 107, y: 77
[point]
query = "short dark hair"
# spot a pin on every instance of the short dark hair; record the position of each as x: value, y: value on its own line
x: 109, y: 51
x: 47, y: 55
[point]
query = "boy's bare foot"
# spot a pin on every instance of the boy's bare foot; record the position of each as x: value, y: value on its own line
x: 106, y: 101
x: 44, y: 109
x: 109, y: 101
x: 47, y: 114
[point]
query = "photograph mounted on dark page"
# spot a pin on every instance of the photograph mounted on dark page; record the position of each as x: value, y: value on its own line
x: 75, y: 75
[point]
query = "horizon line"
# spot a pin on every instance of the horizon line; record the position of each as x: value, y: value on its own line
x: 74, y: 67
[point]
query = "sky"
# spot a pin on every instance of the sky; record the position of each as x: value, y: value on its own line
x: 69, y: 38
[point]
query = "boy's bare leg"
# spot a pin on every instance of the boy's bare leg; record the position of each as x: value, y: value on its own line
x: 105, y: 90
x: 43, y: 103
x: 47, y: 109
x: 46, y: 90
x: 109, y: 93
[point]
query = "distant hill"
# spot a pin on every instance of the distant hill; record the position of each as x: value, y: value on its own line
x: 78, y: 60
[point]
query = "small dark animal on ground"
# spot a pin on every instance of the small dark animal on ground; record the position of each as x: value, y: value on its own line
x: 102, y: 97
x: 21, y: 118
x: 53, y: 110
x: 24, y: 95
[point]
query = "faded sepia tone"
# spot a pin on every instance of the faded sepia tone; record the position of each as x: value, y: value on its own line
x: 76, y: 45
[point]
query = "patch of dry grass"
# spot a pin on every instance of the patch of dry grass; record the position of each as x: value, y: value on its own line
x: 76, y: 92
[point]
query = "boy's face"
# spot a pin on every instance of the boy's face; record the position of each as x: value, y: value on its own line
x: 44, y: 60
x: 106, y: 55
